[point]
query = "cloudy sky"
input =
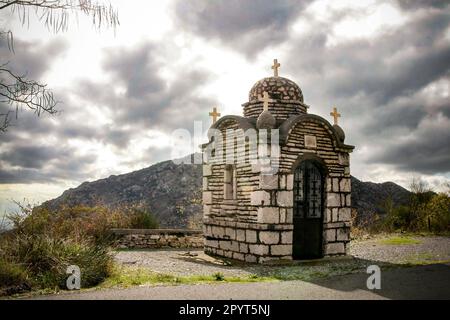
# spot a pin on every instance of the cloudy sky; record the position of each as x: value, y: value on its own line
x: 384, y: 64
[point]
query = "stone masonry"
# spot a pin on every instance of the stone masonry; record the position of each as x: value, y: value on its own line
x: 256, y: 223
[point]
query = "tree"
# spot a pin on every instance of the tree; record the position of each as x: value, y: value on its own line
x: 19, y: 91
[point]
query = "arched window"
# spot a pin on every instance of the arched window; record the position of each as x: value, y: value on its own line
x: 230, y: 182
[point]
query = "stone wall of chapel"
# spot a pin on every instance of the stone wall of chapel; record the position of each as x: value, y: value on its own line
x: 337, y: 213
x: 238, y: 209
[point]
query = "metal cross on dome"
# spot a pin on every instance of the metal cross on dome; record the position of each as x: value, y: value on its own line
x: 275, y: 67
x: 214, y: 114
x: 335, y: 115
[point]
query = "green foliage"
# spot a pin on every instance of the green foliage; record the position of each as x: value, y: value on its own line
x: 44, y: 260
x: 43, y: 243
x: 142, y: 219
x: 12, y: 274
x: 132, y: 276
x: 425, y: 211
x: 218, y: 276
x: 399, y: 241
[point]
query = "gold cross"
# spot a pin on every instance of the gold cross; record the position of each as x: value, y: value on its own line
x: 266, y: 100
x: 214, y: 114
x: 275, y: 67
x: 335, y: 115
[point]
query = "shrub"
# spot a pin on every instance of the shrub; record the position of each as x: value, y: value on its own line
x: 44, y: 260
x: 218, y: 276
x: 13, y: 275
x: 141, y: 219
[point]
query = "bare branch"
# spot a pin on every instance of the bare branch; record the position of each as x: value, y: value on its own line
x: 19, y: 91
x: 55, y: 13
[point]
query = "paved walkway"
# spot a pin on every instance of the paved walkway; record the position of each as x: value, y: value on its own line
x: 423, y: 282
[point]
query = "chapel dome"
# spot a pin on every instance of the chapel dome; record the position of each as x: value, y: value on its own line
x: 340, y: 132
x: 278, y: 88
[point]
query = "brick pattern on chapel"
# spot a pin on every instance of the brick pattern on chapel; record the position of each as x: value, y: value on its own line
x: 257, y: 224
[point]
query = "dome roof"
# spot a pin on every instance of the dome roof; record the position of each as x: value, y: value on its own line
x: 265, y: 121
x: 339, y: 132
x: 277, y: 88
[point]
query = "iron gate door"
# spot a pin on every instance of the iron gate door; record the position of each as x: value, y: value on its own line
x: 308, y: 211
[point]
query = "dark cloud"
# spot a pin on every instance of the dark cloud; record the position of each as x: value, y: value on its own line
x: 420, y: 4
x: 31, y: 156
x: 31, y: 58
x: 150, y: 101
x: 393, y: 64
x: 427, y: 151
x: 248, y: 25
x: 378, y: 84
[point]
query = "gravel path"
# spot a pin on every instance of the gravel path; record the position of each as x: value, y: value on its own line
x: 195, y: 262
x: 429, y: 249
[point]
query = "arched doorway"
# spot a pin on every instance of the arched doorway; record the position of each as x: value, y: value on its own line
x: 308, y: 211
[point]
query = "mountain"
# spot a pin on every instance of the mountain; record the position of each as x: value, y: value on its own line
x: 368, y: 197
x: 173, y: 193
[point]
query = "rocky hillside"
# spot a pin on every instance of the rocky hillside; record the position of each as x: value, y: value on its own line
x: 368, y: 197
x: 173, y: 193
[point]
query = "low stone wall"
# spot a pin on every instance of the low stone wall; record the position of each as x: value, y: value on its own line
x: 157, y: 238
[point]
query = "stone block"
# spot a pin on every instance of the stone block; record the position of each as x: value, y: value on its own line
x: 212, y: 243
x: 268, y: 182
x: 238, y: 256
x: 234, y: 246
x: 250, y: 236
x: 335, y: 185
x: 207, y: 197
x: 345, y: 185
x: 282, y: 215
x: 343, y: 234
x: 329, y: 184
x: 285, y: 198
x: 345, y: 214
x: 269, y: 237
x: 333, y: 199
x: 289, y: 215
x: 230, y: 233
x: 281, y: 250
x: 243, y: 248
x: 329, y: 216
x: 286, y: 237
x: 206, y: 210
x: 256, y: 168
x: 290, y: 182
x: 260, y: 198
x: 250, y: 258
x: 348, y: 200
x: 207, y: 170
x: 224, y: 244
x: 240, y: 235
x: 205, y: 184
x: 335, y: 216
x: 282, y: 182
x: 218, y: 232
x: 335, y: 248
x: 268, y: 215
x: 258, y: 249
x: 330, y: 235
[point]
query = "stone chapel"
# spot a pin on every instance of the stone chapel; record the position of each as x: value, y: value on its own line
x: 295, y: 202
